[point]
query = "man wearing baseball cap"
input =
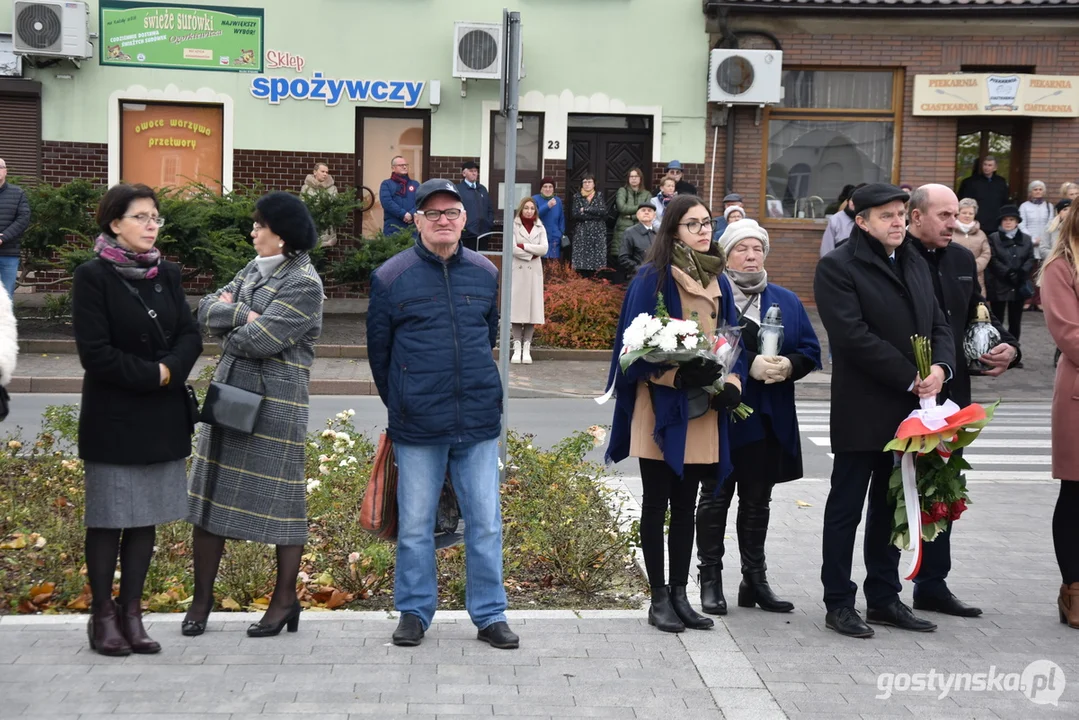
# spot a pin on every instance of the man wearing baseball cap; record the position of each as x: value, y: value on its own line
x: 477, y: 202
x: 431, y: 326
x: 674, y: 172
x: 873, y: 293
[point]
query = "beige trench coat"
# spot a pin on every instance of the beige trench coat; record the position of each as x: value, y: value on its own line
x: 526, y: 306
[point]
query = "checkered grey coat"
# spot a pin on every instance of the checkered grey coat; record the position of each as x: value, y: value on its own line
x: 252, y: 487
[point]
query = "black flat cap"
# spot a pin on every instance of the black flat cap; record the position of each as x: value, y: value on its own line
x: 434, y: 187
x: 470, y: 165
x: 646, y: 206
x: 876, y: 194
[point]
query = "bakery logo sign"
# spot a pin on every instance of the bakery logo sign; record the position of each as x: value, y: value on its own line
x: 1003, y: 90
x: 275, y: 89
x: 1051, y: 96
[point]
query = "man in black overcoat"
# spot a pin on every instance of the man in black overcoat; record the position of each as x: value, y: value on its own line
x: 933, y: 213
x: 873, y: 293
x: 989, y: 190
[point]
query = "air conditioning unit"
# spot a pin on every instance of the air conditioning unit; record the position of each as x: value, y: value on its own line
x: 52, y: 28
x: 745, y: 77
x: 477, y: 51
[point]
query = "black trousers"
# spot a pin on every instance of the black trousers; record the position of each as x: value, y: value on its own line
x: 663, y: 489
x: 1066, y: 531
x: 936, y: 564
x: 852, y: 474
x: 1014, y: 315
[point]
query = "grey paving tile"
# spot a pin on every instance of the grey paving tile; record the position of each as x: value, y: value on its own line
x: 441, y: 709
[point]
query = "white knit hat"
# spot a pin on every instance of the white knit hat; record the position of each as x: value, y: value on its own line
x: 740, y: 230
x: 732, y: 208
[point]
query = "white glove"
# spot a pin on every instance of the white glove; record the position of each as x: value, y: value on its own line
x: 759, y: 369
x: 779, y: 369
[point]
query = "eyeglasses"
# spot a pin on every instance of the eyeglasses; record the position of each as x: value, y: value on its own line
x: 400, y: 164
x: 434, y: 215
x: 695, y: 226
x: 143, y: 218
x: 255, y: 227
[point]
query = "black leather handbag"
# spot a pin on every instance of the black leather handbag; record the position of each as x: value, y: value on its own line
x: 231, y: 407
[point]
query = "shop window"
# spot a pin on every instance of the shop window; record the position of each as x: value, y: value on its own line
x: 529, y: 157
x: 833, y: 128
x: 167, y: 145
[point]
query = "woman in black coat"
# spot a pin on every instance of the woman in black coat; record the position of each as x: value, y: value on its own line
x: 1008, y: 276
x: 135, y: 419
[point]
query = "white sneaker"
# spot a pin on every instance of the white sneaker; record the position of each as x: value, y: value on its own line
x: 515, y: 359
x: 526, y: 354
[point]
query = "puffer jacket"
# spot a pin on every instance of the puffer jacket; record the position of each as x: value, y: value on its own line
x: 14, y: 217
x: 431, y: 329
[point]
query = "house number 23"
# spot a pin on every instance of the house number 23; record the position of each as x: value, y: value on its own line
x: 553, y: 144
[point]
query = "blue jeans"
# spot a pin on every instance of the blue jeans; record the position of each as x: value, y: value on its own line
x: 9, y: 272
x: 474, y: 472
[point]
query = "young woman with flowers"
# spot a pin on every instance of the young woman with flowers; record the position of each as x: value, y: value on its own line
x: 663, y: 415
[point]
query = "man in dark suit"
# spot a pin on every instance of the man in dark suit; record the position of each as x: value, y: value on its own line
x: 481, y: 216
x: 989, y: 190
x: 873, y: 293
x: 933, y: 213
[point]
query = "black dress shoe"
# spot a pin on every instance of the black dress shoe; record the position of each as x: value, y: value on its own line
x: 898, y: 615
x: 409, y: 632
x: 948, y: 604
x: 498, y: 635
x: 847, y: 621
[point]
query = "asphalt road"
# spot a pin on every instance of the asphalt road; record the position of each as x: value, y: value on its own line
x: 549, y: 420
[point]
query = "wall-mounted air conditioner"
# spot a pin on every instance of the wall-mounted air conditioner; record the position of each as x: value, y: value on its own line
x: 745, y: 77
x: 477, y: 51
x: 52, y: 28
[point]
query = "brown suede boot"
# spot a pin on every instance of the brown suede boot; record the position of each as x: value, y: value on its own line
x: 106, y: 637
x: 131, y: 624
x: 1068, y: 604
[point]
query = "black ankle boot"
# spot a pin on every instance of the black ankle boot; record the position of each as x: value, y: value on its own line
x: 711, y: 580
x: 754, y: 590
x: 685, y: 612
x: 752, y: 532
x: 661, y: 614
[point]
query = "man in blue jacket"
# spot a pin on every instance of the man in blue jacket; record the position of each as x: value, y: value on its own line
x: 14, y: 219
x: 481, y: 216
x: 398, y: 198
x: 432, y: 324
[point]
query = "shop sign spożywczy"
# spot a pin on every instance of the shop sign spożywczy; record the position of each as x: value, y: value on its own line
x: 274, y: 89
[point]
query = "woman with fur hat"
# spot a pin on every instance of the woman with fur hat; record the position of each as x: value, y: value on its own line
x: 765, y: 447
x: 1010, y: 268
x: 251, y: 486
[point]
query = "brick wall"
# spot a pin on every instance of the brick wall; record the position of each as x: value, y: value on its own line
x: 62, y: 162
x: 693, y: 173
x: 285, y: 170
x: 927, y: 144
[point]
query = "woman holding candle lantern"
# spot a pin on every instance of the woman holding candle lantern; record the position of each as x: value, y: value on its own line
x: 780, y: 348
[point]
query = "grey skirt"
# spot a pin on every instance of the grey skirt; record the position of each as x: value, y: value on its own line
x: 125, y: 496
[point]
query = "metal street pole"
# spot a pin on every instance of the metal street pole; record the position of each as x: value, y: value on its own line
x: 510, y: 83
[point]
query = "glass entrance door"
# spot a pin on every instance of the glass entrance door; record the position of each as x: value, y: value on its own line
x: 1006, y: 140
x: 382, y: 135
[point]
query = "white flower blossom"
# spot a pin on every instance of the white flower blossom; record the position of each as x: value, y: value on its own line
x: 323, y: 470
x: 342, y: 436
x: 667, y: 342
x: 689, y: 342
x: 324, y: 458
x: 350, y: 412
x: 353, y: 558
x: 312, y: 485
x: 328, y: 433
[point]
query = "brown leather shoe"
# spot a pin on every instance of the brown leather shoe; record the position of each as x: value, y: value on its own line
x: 134, y: 632
x: 1068, y: 604
x: 104, y: 631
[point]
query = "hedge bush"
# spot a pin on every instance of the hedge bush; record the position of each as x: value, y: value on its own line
x: 581, y: 313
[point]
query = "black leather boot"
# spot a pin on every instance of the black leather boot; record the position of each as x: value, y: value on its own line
x: 711, y: 580
x: 661, y: 614
x: 685, y: 612
x: 752, y: 531
x: 711, y: 525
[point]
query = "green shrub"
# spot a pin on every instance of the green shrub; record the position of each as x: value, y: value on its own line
x: 57, y: 212
x: 562, y: 545
x: 330, y: 211
x: 358, y: 263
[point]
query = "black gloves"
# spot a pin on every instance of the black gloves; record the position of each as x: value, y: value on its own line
x: 697, y: 373
x: 727, y: 399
